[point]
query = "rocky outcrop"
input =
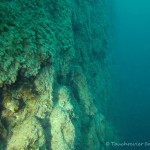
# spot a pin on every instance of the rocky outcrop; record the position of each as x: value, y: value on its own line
x: 54, y: 84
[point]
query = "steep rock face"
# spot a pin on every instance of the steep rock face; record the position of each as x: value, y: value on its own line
x: 54, y: 78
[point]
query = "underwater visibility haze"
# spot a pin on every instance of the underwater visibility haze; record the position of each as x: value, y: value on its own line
x: 131, y: 68
x: 66, y: 83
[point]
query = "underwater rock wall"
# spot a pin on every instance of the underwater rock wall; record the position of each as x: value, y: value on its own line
x: 54, y: 79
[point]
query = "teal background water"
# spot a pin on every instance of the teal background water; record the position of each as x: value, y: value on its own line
x: 131, y: 68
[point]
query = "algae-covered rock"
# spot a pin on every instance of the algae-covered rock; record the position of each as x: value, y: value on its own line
x: 27, y: 135
x: 27, y: 41
x: 54, y: 78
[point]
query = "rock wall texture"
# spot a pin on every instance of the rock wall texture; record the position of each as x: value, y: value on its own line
x: 54, y: 80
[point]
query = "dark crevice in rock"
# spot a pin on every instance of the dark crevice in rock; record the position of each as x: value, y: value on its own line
x: 22, y: 105
x: 75, y: 93
x: 61, y: 79
x: 47, y: 62
x: 1, y: 96
x: 22, y: 81
x: 76, y: 27
x: 46, y: 130
x: 1, y: 100
x: 99, y: 55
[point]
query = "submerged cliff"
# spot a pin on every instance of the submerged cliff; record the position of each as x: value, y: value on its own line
x: 54, y: 79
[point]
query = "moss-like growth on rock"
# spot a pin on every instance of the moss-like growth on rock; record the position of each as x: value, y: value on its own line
x: 54, y: 80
